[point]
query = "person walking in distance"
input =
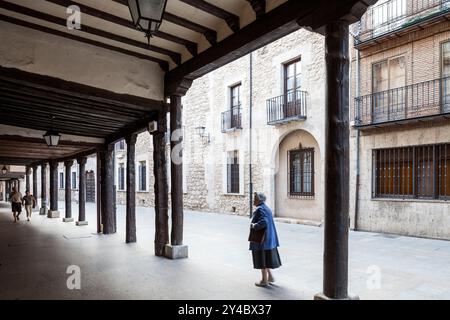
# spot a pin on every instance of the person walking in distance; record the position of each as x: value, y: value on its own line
x: 16, y: 203
x: 30, y: 203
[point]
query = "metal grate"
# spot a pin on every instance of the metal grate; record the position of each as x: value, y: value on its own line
x: 421, y: 172
x: 233, y: 173
x: 301, y: 172
x: 232, y: 119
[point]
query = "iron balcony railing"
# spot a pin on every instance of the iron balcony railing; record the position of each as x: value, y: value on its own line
x: 423, y: 99
x: 288, y: 107
x: 394, y: 15
x: 232, y: 119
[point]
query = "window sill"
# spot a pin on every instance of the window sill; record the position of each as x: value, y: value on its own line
x: 411, y: 200
x: 294, y: 197
x: 142, y: 191
x: 234, y: 194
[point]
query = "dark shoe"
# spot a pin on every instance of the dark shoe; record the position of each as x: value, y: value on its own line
x: 262, y: 284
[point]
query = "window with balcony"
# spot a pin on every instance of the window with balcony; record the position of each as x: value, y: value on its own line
x: 292, y: 104
x: 233, y: 172
x: 121, y: 145
x: 121, y: 177
x: 421, y: 172
x: 232, y: 119
x: 388, y: 104
x: 301, y: 172
x: 445, y: 74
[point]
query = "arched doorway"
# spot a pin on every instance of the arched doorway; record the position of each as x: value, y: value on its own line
x: 298, y: 179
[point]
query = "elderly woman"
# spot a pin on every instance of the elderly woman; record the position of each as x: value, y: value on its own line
x: 265, y: 254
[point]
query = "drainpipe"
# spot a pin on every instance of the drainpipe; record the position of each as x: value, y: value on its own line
x: 358, y: 93
x: 250, y: 137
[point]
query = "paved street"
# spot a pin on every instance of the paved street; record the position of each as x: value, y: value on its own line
x: 34, y: 257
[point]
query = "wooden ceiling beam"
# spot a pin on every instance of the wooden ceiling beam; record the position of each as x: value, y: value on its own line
x: 79, y: 91
x: 231, y: 19
x: 190, y: 46
x: 209, y: 34
x: 259, y: 6
x: 5, y: 137
x: 175, y: 56
x: 164, y: 65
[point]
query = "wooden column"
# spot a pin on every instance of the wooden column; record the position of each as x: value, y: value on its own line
x: 176, y: 167
x: 53, y: 212
x: 35, y: 186
x: 68, y: 191
x: 82, y: 192
x: 161, y: 186
x: 44, y: 209
x: 27, y: 177
x: 99, y: 192
x: 108, y: 219
x: 130, y: 234
x: 335, y: 282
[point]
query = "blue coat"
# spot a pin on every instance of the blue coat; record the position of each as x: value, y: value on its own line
x: 263, y: 218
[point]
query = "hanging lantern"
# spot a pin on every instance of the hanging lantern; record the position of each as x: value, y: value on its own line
x: 52, y: 138
x: 147, y: 15
x: 4, y: 170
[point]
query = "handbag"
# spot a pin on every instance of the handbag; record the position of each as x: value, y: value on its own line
x: 257, y: 236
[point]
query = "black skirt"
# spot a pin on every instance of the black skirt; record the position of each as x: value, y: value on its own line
x: 266, y: 259
x: 17, y: 207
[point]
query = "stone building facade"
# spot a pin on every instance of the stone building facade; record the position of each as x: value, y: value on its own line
x: 400, y: 110
x: 281, y: 83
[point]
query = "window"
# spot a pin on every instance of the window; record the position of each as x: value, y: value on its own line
x: 61, y: 180
x: 121, y: 176
x: 74, y: 180
x: 445, y: 74
x: 292, y: 89
x: 233, y: 172
x: 142, y: 176
x: 292, y: 77
x: 301, y: 172
x: 387, y: 104
x: 121, y: 145
x: 235, y: 106
x: 388, y: 15
x: 412, y: 172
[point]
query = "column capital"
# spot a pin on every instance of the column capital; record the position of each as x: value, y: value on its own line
x: 68, y: 163
x: 81, y: 160
x: 131, y: 139
x: 27, y: 170
x: 177, y: 87
x: 44, y: 164
x: 53, y: 163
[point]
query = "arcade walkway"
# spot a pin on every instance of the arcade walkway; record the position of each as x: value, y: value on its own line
x: 34, y: 257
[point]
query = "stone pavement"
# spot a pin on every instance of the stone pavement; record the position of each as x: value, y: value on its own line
x: 34, y: 257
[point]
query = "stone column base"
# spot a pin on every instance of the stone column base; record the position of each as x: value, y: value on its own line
x: 53, y: 214
x: 81, y: 223
x: 43, y: 211
x: 176, y: 252
x: 68, y: 219
x: 321, y: 296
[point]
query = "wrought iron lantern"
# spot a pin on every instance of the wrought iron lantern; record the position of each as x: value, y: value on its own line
x: 147, y: 15
x: 52, y: 136
x: 4, y: 170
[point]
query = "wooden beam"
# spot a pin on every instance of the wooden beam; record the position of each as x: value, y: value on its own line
x: 130, y: 225
x: 68, y: 190
x: 231, y: 19
x: 164, y: 65
x: 81, y: 190
x: 161, y: 186
x: 19, y: 139
x: 259, y: 6
x: 190, y: 46
x: 136, y: 127
x: 209, y: 34
x: 175, y: 56
x: 78, y: 90
x: 107, y: 188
